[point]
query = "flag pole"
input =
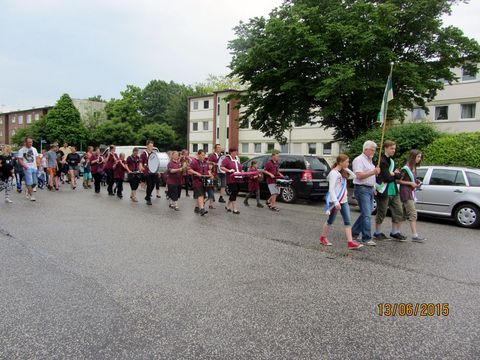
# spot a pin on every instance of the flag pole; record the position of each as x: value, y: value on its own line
x: 384, y: 125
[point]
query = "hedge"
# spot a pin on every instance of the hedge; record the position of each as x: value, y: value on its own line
x: 406, y: 136
x: 455, y: 150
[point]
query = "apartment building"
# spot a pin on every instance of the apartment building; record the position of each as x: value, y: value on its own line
x: 454, y: 109
x: 213, y: 119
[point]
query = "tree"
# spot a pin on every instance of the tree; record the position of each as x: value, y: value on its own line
x: 162, y: 135
x: 62, y: 123
x: 97, y: 98
x: 111, y: 132
x: 126, y: 109
x: 220, y: 82
x: 326, y: 61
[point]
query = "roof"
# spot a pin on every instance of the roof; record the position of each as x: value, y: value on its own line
x: 26, y: 110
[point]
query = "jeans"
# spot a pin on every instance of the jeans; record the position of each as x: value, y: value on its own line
x: 31, y: 176
x: 18, y: 179
x: 363, y: 225
x: 345, y: 211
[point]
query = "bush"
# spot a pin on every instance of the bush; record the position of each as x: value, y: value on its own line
x: 407, y: 137
x: 455, y: 150
x: 243, y: 158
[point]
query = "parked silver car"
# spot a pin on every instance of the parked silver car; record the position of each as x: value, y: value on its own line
x: 452, y: 192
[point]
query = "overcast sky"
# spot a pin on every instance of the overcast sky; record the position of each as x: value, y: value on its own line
x: 88, y: 47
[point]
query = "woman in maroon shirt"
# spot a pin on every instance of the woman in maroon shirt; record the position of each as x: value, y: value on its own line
x: 174, y: 180
x: 133, y: 164
x: 97, y: 162
x: 231, y: 164
x: 110, y: 160
x: 119, y: 169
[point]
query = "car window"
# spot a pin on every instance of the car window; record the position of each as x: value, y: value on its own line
x: 473, y: 179
x: 260, y: 161
x: 316, y: 163
x: 421, y: 174
x: 292, y: 162
x: 447, y: 177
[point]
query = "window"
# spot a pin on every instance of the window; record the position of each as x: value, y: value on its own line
x: 218, y: 133
x: 218, y: 109
x: 284, y: 148
x: 312, y: 148
x: 195, y: 126
x: 37, y: 116
x: 473, y: 179
x: 29, y: 118
x: 270, y: 147
x: 206, y: 104
x: 205, y: 125
x: 468, y: 111
x: 205, y: 148
x: 195, y: 148
x: 1, y: 120
x: 14, y: 119
x: 447, y: 177
x: 257, y: 148
x: 228, y: 108
x: 244, y: 148
x: 327, y: 149
x: 441, y: 112
x: 20, y: 119
x: 468, y: 75
x: 316, y: 164
x: 342, y: 148
x: 293, y: 162
x: 418, y: 114
x: 421, y: 174
x: 195, y: 105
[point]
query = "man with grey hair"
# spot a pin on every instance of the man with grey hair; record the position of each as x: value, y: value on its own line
x: 364, y: 183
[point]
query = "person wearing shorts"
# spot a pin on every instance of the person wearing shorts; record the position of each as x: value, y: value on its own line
x: 230, y: 165
x: 52, y: 167
x: 134, y: 176
x: 87, y: 168
x: 198, y: 170
x: 387, y: 195
x: 73, y: 159
x: 271, y: 171
x: 214, y: 158
x: 27, y: 158
x: 408, y: 184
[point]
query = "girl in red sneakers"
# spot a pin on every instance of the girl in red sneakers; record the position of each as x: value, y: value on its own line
x: 337, y: 200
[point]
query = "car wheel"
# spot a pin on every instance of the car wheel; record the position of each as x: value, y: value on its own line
x: 288, y: 194
x: 467, y: 215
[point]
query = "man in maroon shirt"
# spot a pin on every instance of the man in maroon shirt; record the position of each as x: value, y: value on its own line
x: 214, y: 158
x: 231, y: 164
x: 110, y: 160
x: 96, y: 162
x: 149, y: 177
x: 174, y: 179
x: 272, y: 173
x: 119, y: 170
x: 133, y: 163
x: 199, y: 170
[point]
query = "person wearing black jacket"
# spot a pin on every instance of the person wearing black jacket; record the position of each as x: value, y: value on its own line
x: 387, y: 195
x: 72, y: 160
x: 6, y: 172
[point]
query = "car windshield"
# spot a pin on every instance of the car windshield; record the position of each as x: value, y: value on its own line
x: 316, y: 164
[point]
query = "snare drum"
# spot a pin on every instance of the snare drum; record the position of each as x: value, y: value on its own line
x: 282, y: 183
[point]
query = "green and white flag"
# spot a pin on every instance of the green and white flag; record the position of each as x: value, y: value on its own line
x: 387, y: 97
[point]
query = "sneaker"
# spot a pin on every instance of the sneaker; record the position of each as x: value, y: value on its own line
x: 8, y: 201
x: 398, y: 237
x: 149, y: 202
x: 221, y: 199
x: 202, y: 212
x: 32, y: 198
x: 197, y: 210
x: 260, y: 206
x: 380, y: 236
x: 369, y: 243
x: 353, y: 245
x: 418, y: 239
x: 27, y: 195
x: 324, y: 241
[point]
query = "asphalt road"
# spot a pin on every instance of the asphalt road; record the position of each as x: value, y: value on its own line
x: 93, y: 277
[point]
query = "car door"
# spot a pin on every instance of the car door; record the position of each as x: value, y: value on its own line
x: 441, y: 191
x: 421, y: 175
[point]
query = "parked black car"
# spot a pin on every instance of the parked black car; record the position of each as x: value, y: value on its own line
x: 308, y: 172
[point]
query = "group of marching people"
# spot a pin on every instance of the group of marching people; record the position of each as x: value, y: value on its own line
x: 392, y: 188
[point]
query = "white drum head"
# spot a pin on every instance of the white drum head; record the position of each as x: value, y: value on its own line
x: 153, y: 163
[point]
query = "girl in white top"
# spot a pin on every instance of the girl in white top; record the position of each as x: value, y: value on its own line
x: 337, y: 200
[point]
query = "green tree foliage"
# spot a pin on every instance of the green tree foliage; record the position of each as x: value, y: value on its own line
x: 126, y: 109
x: 456, y: 150
x: 96, y: 98
x: 219, y: 83
x: 162, y: 135
x: 113, y: 132
x: 406, y: 136
x: 327, y: 61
